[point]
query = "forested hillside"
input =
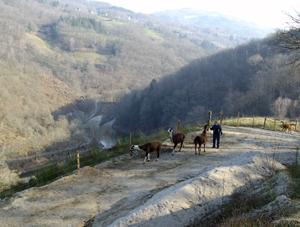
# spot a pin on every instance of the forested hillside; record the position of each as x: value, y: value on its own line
x: 259, y: 78
x: 60, y: 58
x: 104, y: 51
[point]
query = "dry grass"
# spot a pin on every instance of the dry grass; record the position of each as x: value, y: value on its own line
x: 38, y: 44
x: 154, y: 35
x: 89, y: 57
x: 246, y: 222
x: 257, y: 122
x: 7, y: 177
x: 26, y: 120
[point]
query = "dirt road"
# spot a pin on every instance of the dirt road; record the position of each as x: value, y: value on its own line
x: 113, y: 189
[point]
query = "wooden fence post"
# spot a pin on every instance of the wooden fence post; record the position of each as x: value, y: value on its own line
x: 238, y: 120
x: 221, y: 117
x: 130, y: 142
x: 178, y: 126
x: 265, y: 121
x: 209, y: 118
x: 252, y: 121
x: 296, y: 124
x: 78, y: 162
x: 274, y: 124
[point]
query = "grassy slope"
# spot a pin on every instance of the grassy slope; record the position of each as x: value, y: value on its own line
x: 38, y: 75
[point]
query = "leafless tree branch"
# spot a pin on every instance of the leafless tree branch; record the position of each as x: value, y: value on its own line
x: 290, y: 38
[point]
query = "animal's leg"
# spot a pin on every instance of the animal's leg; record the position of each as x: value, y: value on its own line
x: 174, y: 147
x: 157, y: 155
x: 145, y: 159
x: 180, y: 146
x: 204, y: 147
x: 195, y: 148
x: 148, y: 157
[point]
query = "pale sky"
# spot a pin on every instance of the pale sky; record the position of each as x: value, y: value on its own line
x: 266, y: 13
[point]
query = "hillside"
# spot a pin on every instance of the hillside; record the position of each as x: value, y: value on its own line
x: 107, y: 50
x: 59, y: 58
x: 253, y: 79
x: 217, y: 29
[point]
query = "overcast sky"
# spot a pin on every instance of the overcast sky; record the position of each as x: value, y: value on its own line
x: 266, y: 13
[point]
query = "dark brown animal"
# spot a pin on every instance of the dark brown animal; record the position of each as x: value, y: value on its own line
x: 202, y: 139
x: 148, y: 148
x: 176, y: 138
x: 286, y: 127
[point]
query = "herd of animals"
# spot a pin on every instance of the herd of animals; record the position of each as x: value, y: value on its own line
x: 177, y: 138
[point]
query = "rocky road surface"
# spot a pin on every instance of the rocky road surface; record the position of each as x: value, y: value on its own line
x: 115, y: 192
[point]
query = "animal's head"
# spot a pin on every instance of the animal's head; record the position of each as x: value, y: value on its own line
x: 206, y: 127
x: 170, y: 131
x: 132, y: 149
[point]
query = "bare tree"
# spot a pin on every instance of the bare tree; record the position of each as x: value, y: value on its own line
x: 290, y: 38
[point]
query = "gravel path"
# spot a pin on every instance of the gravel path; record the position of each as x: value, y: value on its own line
x: 114, y: 189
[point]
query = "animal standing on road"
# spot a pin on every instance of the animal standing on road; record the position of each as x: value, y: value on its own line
x: 148, y: 148
x: 176, y: 138
x: 202, y: 139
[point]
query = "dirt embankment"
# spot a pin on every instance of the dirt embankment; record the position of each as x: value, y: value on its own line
x: 174, y: 190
